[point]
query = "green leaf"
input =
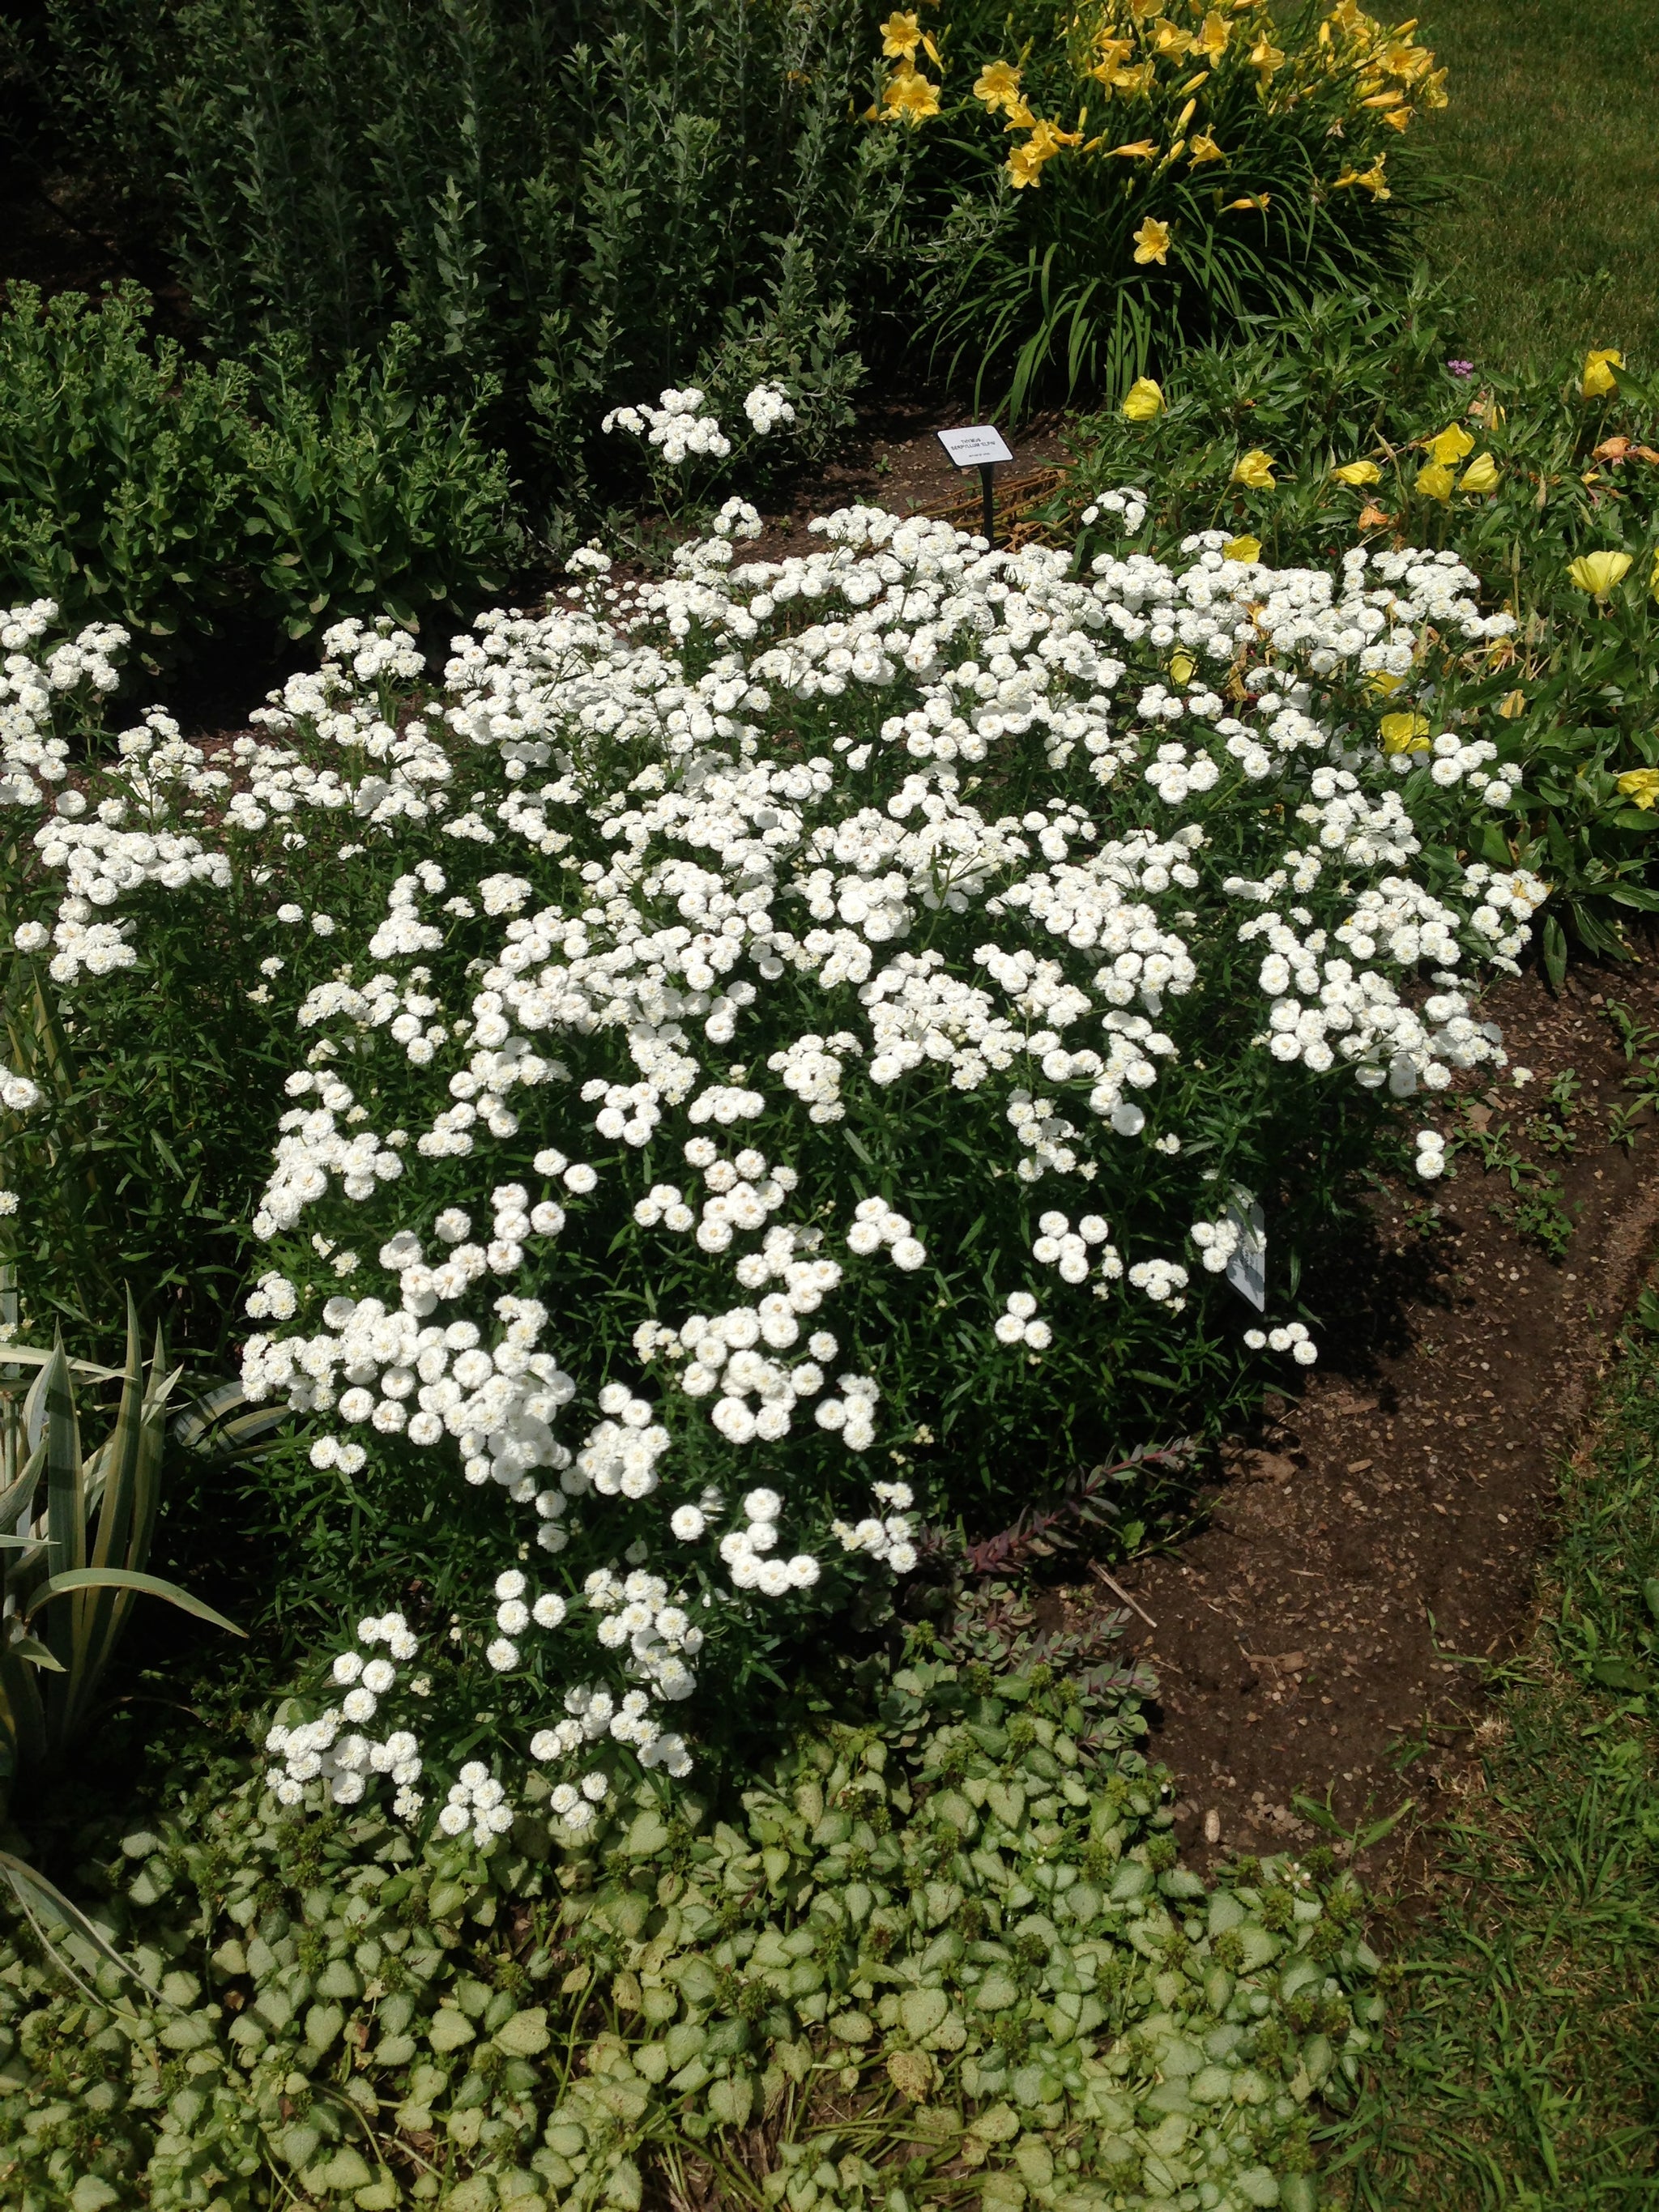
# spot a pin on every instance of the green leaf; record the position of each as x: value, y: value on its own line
x: 450, y: 2030
x: 126, y: 1578
x: 525, y: 2035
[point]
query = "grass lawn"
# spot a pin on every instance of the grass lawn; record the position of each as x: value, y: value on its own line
x: 1553, y: 130
x: 1523, y: 2071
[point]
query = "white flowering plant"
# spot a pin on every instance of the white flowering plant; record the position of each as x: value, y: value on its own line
x: 793, y: 1045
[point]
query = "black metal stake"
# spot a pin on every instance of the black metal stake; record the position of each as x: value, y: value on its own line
x: 990, y: 518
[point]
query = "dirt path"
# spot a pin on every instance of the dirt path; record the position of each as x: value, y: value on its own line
x: 1384, y: 1528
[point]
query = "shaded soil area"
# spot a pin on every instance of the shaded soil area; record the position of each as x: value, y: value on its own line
x: 1377, y: 1540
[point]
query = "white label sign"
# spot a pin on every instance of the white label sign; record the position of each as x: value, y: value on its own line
x: 1247, y: 1271
x: 972, y: 448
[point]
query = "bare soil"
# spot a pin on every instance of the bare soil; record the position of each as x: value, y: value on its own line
x: 1377, y: 1540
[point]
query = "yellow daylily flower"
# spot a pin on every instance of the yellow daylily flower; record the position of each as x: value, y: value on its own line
x: 1153, y: 242
x: 998, y: 86
x: 1138, y: 149
x: 1450, y: 447
x: 900, y: 34
x: 1024, y: 167
x: 1598, y: 573
x: 1641, y: 786
x: 1242, y: 549
x: 1435, y: 480
x: 1132, y: 83
x: 1254, y: 470
x: 1374, y: 180
x: 1482, y: 475
x: 1267, y: 58
x: 1204, y: 148
x: 1176, y: 43
x: 1213, y: 39
x: 1405, y: 733
x: 1259, y: 201
x: 1399, y: 118
x: 1145, y: 402
x: 1356, y: 473
x: 911, y: 95
x: 1113, y: 52
x: 1183, y: 668
x: 1599, y: 379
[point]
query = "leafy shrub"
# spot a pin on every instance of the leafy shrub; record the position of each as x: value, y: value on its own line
x: 163, y: 496
x: 1548, y: 476
x: 1091, y: 187
x: 824, y: 996
x: 578, y: 199
x: 956, y: 1944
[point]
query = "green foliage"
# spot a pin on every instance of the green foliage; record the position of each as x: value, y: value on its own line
x: 138, y: 488
x: 79, y: 1528
x: 956, y: 1942
x: 1520, y: 2072
x: 583, y: 200
x: 1360, y: 378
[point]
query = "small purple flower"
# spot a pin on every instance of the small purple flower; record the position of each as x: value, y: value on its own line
x: 1460, y: 368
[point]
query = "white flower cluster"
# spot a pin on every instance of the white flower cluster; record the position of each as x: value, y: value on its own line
x: 333, y: 1750
x: 1430, y: 1154
x: 767, y: 406
x: 1018, y: 1323
x: 1071, y: 1251
x: 716, y: 922
x: 887, y: 1535
x: 676, y: 426
x: 1290, y: 1336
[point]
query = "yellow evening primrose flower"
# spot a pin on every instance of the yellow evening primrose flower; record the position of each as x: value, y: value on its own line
x: 998, y: 86
x: 1653, y: 580
x: 1482, y: 475
x: 1356, y: 473
x: 1145, y: 402
x: 1597, y: 573
x: 1641, y: 786
x: 1435, y: 480
x: 1383, y: 683
x: 1204, y: 148
x: 1512, y: 705
x: 1254, y: 470
x: 911, y: 95
x: 1405, y: 733
x: 1451, y: 446
x: 1153, y: 242
x: 1599, y: 379
x: 1242, y: 549
x: 1183, y: 668
x: 901, y: 35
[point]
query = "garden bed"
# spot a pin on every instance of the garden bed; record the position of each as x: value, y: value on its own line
x: 1377, y: 1540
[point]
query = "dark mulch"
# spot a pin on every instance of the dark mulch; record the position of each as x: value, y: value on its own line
x: 1382, y: 1530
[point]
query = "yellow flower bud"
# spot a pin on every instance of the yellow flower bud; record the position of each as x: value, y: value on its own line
x: 1145, y: 403
x: 1254, y: 470
x: 1482, y: 475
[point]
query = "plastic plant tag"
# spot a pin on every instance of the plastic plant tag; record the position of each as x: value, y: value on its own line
x: 975, y: 447
x: 1247, y: 1271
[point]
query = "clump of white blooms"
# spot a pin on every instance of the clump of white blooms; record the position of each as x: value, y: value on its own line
x: 767, y: 406
x: 333, y: 1749
x: 1430, y: 1153
x: 734, y: 998
x: 676, y: 426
